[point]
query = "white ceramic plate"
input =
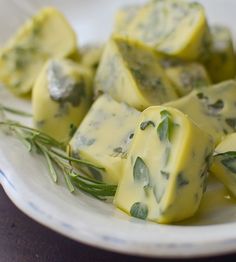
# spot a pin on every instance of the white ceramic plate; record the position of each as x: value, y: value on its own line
x: 26, y: 180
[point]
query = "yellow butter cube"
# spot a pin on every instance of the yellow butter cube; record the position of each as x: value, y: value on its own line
x: 224, y: 163
x: 61, y: 97
x: 174, y: 27
x: 212, y: 109
x: 188, y: 76
x: 46, y: 35
x: 132, y: 74
x: 221, y: 63
x: 165, y: 173
x: 104, y: 136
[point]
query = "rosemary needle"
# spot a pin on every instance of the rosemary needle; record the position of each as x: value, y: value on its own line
x: 14, y: 111
x: 57, y: 159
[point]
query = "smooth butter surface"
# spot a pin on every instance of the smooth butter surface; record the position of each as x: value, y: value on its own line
x: 104, y: 135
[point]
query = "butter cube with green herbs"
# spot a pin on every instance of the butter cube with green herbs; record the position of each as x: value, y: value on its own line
x: 221, y: 63
x: 165, y: 174
x: 187, y: 77
x: 46, y: 35
x: 61, y: 97
x: 224, y: 163
x: 212, y: 109
x: 132, y: 74
x: 104, y: 137
x: 174, y: 27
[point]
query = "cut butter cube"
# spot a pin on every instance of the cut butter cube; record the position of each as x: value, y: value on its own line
x: 224, y: 163
x: 188, y: 76
x: 221, y: 63
x: 104, y: 136
x: 46, y: 35
x: 165, y: 173
x: 212, y: 109
x: 61, y: 97
x: 132, y: 74
x: 174, y: 27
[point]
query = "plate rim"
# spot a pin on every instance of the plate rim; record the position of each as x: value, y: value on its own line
x: 195, y: 251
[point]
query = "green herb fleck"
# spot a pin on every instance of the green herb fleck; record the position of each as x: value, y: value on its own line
x: 216, y: 107
x: 231, y: 122
x: 73, y: 129
x: 118, y: 150
x: 131, y: 136
x: 229, y: 160
x: 145, y: 124
x: 139, y: 210
x: 202, y: 96
x: 141, y: 172
x: 181, y: 180
x: 165, y: 128
x: 165, y: 174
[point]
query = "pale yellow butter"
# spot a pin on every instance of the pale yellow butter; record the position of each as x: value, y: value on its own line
x: 175, y: 27
x: 221, y: 63
x: 224, y: 163
x: 165, y: 174
x: 133, y: 74
x: 104, y: 136
x: 188, y: 76
x: 212, y: 109
x: 46, y: 35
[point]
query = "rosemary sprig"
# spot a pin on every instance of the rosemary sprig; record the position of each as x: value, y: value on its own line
x: 58, y: 161
x: 14, y: 111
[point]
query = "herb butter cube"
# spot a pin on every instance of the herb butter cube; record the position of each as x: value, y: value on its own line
x: 103, y: 137
x: 174, y: 27
x: 61, y: 97
x: 165, y: 173
x: 212, y: 109
x: 224, y: 163
x: 188, y: 76
x: 46, y: 35
x: 221, y: 63
x: 133, y: 75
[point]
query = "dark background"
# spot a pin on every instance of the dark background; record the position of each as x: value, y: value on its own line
x: 23, y: 240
